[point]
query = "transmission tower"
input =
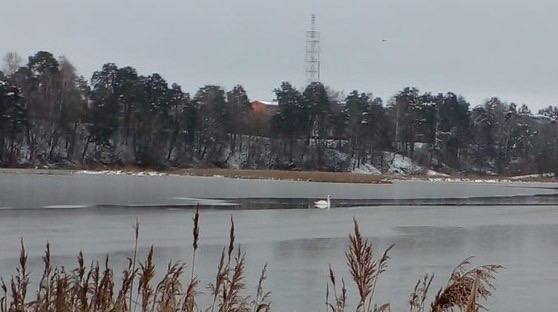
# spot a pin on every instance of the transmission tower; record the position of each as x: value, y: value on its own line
x: 313, y: 53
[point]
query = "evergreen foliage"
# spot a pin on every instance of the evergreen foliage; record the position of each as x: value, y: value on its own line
x: 49, y: 115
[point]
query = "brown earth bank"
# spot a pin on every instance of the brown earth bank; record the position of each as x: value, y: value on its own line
x: 287, y: 175
x: 310, y: 176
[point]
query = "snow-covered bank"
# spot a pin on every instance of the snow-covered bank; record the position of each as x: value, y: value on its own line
x: 366, y: 169
x: 362, y: 174
x: 535, y: 178
x: 123, y: 172
x: 396, y: 168
x: 305, y: 176
x: 532, y: 176
x: 402, y: 165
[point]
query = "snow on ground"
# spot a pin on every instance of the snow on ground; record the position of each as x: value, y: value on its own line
x: 122, y: 172
x: 520, y: 178
x: 448, y: 179
x: 401, y: 165
x: 533, y: 176
x: 432, y: 173
x: 236, y: 160
x: 366, y: 169
x: 472, y: 180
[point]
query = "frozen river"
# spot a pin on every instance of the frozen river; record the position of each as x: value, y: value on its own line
x: 433, y: 226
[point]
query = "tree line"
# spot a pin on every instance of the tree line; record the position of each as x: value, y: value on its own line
x: 49, y: 115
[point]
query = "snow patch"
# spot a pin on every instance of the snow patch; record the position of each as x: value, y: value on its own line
x: 401, y: 165
x: 271, y: 103
x: 207, y: 201
x: 533, y: 176
x: 66, y: 206
x: 121, y: 172
x: 366, y: 169
x: 432, y: 173
x: 467, y: 180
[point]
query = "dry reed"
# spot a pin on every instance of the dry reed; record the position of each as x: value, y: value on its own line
x: 462, y: 292
x: 365, y: 269
x: 465, y: 286
x: 94, y: 288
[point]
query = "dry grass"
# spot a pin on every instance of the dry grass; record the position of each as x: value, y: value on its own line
x: 365, y: 269
x: 95, y: 287
x: 465, y: 286
x: 462, y: 292
x: 314, y: 176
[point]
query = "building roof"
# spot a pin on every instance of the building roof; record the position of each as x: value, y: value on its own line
x: 273, y: 103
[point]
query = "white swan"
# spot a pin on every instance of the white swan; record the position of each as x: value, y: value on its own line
x: 323, y: 204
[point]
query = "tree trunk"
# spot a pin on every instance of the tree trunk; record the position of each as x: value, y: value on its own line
x: 2, y: 142
x: 85, y: 147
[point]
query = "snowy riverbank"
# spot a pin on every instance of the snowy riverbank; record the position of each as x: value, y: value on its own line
x: 363, y: 174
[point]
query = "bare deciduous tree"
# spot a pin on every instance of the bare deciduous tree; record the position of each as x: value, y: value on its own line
x: 11, y: 63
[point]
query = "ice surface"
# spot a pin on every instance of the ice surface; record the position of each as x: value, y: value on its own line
x: 298, y: 244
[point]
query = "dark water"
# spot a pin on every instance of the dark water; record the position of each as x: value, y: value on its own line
x: 434, y: 227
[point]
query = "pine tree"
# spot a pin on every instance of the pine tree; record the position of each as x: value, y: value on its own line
x: 289, y: 123
x: 237, y: 109
x: 13, y: 121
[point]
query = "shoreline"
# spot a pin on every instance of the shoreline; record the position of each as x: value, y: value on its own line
x: 285, y: 175
x: 251, y: 174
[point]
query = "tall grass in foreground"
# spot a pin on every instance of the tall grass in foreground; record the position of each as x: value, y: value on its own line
x: 464, y: 288
x: 95, y: 287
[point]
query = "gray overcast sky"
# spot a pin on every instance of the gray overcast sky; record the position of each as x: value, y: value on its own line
x: 477, y: 48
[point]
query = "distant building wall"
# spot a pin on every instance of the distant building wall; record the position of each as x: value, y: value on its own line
x: 260, y: 107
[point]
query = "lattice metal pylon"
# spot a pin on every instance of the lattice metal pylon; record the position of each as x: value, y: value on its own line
x: 313, y: 53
